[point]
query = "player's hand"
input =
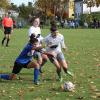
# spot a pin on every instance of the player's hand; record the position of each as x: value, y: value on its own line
x: 51, y: 54
x: 12, y: 31
x: 65, y: 49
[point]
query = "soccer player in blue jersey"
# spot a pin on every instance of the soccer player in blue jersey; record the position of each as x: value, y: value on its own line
x: 24, y: 60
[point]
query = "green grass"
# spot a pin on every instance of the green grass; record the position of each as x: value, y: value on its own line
x: 83, y: 59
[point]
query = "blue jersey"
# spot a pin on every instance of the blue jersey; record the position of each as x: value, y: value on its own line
x: 24, y: 56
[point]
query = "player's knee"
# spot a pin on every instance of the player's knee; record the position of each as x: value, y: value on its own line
x: 51, y: 59
x: 39, y: 61
x: 37, y: 65
x: 45, y: 59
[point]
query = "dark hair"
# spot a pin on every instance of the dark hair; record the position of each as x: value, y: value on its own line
x: 53, y: 23
x: 33, y: 39
x: 33, y: 18
x: 53, y: 28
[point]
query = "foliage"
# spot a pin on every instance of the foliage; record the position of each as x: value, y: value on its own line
x: 25, y: 11
x: 92, y: 3
x: 89, y: 17
x: 97, y: 3
x: 53, y: 8
x: 4, y: 4
x: 13, y: 7
x: 85, y: 17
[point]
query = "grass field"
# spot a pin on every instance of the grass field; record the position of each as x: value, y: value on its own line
x: 83, y: 59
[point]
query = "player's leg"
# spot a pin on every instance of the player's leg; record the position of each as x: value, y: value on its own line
x: 8, y: 39
x: 58, y: 67
x: 38, y: 57
x: 34, y: 65
x: 63, y: 63
x: 16, y: 69
x: 44, y: 60
x: 5, y: 36
x: 4, y: 76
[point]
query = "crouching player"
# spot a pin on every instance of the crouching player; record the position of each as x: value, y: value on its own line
x: 54, y: 42
x: 24, y: 60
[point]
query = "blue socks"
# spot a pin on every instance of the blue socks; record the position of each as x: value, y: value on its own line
x: 36, y: 74
x: 4, y: 76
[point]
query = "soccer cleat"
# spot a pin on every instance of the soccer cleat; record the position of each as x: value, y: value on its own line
x: 36, y: 83
x: 7, y: 45
x: 40, y: 71
x: 69, y: 73
x: 60, y: 79
x: 2, y: 42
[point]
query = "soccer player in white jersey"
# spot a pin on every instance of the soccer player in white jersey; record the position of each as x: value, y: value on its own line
x: 36, y: 31
x: 54, y: 43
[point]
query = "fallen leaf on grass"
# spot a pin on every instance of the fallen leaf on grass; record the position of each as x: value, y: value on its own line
x: 97, y: 94
x: 71, y: 95
x: 57, y: 93
x: 37, y: 98
x: 98, y: 65
x: 97, y: 59
x: 20, y: 92
x: 47, y: 99
x: 3, y: 93
x: 31, y: 89
x: 10, y: 96
x: 62, y: 87
x: 91, y: 82
x: 92, y: 87
x: 93, y: 96
x: 76, y: 62
x: 80, y: 98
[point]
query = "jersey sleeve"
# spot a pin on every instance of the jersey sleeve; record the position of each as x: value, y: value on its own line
x: 30, y: 31
x: 3, y: 21
x: 39, y: 30
x: 62, y: 42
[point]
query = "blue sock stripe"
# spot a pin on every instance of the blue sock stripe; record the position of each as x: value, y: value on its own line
x: 36, y: 74
x: 4, y: 76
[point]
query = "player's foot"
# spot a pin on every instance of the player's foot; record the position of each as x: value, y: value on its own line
x: 40, y: 70
x: 60, y: 79
x: 2, y: 43
x: 7, y: 45
x: 70, y: 73
x: 36, y: 82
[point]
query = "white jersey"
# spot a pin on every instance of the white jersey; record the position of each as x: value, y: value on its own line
x: 50, y: 41
x: 34, y: 30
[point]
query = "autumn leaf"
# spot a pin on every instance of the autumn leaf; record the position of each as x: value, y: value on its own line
x: 31, y: 89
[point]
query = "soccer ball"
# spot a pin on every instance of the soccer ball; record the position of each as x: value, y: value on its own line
x: 68, y: 86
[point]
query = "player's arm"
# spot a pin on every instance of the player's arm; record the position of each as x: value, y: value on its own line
x: 63, y: 45
x: 12, y: 27
x: 49, y: 54
x: 3, y: 24
x: 37, y: 48
x: 30, y: 53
